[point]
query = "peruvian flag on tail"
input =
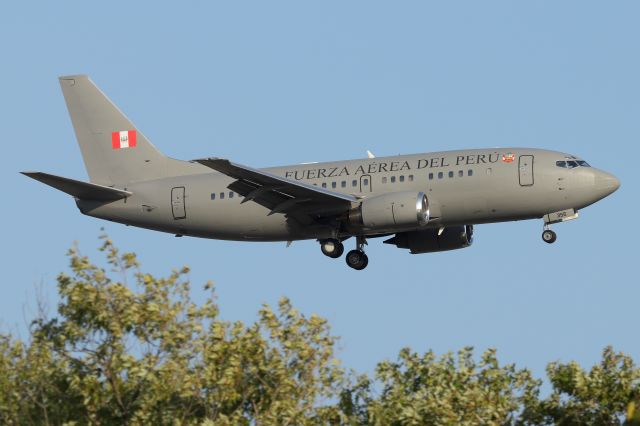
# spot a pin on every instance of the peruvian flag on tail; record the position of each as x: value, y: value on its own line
x: 123, y: 139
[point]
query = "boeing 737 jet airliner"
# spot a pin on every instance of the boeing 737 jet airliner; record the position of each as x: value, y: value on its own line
x: 423, y: 202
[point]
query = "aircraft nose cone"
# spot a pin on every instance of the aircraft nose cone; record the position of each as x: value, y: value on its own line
x: 606, y: 183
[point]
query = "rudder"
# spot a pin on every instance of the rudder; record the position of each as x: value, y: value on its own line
x: 114, y: 151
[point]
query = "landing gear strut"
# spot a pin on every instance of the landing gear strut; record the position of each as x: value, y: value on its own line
x: 357, y: 259
x: 548, y: 236
x: 332, y: 248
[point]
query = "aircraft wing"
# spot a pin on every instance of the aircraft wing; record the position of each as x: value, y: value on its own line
x: 279, y: 194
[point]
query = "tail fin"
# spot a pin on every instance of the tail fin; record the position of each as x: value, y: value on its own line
x: 114, y: 151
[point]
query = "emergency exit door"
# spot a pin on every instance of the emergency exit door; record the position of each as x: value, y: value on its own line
x: 365, y: 183
x: 177, y: 203
x: 525, y: 169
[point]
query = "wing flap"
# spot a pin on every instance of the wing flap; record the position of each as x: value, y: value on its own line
x: 79, y: 189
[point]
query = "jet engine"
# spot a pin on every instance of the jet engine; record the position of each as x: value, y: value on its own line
x: 431, y: 240
x: 396, y: 209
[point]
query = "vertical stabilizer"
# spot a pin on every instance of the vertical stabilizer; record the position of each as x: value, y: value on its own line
x: 115, y: 152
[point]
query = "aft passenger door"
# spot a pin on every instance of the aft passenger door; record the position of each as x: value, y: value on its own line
x: 177, y: 203
x: 525, y: 170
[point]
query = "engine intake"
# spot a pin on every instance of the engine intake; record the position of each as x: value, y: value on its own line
x: 396, y: 209
x: 428, y: 240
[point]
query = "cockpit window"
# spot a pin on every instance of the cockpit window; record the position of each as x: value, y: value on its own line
x: 570, y: 164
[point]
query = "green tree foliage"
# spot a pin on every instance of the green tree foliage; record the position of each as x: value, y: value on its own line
x: 450, y: 390
x: 129, y: 348
x: 146, y: 354
x: 597, y: 397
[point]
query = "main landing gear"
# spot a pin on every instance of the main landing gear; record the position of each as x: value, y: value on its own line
x: 356, y: 259
x: 332, y: 248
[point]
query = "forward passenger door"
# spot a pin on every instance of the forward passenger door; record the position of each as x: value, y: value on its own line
x: 525, y: 170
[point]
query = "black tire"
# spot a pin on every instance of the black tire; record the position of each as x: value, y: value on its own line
x: 337, y: 248
x: 548, y: 236
x: 363, y: 263
x: 357, y: 259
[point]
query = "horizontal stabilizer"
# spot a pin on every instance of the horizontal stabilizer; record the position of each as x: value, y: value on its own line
x: 79, y: 189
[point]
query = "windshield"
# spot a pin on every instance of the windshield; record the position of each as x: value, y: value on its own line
x: 570, y: 164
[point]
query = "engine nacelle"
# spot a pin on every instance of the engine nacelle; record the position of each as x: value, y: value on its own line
x: 395, y: 209
x: 428, y: 240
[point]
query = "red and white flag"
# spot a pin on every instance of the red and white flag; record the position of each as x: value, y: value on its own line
x: 123, y: 139
x: 508, y: 158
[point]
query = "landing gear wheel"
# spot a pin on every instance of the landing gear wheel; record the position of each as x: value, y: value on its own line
x: 548, y: 236
x: 332, y: 248
x: 357, y: 259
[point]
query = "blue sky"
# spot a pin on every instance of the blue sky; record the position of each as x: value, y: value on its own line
x: 270, y: 83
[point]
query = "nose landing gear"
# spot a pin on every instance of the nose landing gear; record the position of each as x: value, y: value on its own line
x: 548, y: 236
x: 357, y: 259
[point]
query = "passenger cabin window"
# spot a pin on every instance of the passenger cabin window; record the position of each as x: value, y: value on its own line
x: 384, y: 179
x: 410, y: 178
x: 324, y: 184
x: 430, y: 176
x: 366, y: 182
x: 470, y: 172
x: 451, y: 174
x: 354, y: 183
x: 333, y: 184
x: 213, y: 195
x: 222, y: 195
x: 343, y: 184
x: 393, y: 179
x: 440, y: 175
x: 460, y: 173
x: 402, y: 178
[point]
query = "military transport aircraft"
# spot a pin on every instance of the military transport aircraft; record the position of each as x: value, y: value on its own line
x: 423, y: 202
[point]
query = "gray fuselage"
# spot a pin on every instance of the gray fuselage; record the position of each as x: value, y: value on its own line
x: 463, y: 187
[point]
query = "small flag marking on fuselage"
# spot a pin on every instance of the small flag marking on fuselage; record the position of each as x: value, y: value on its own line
x: 508, y: 158
x: 123, y: 139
